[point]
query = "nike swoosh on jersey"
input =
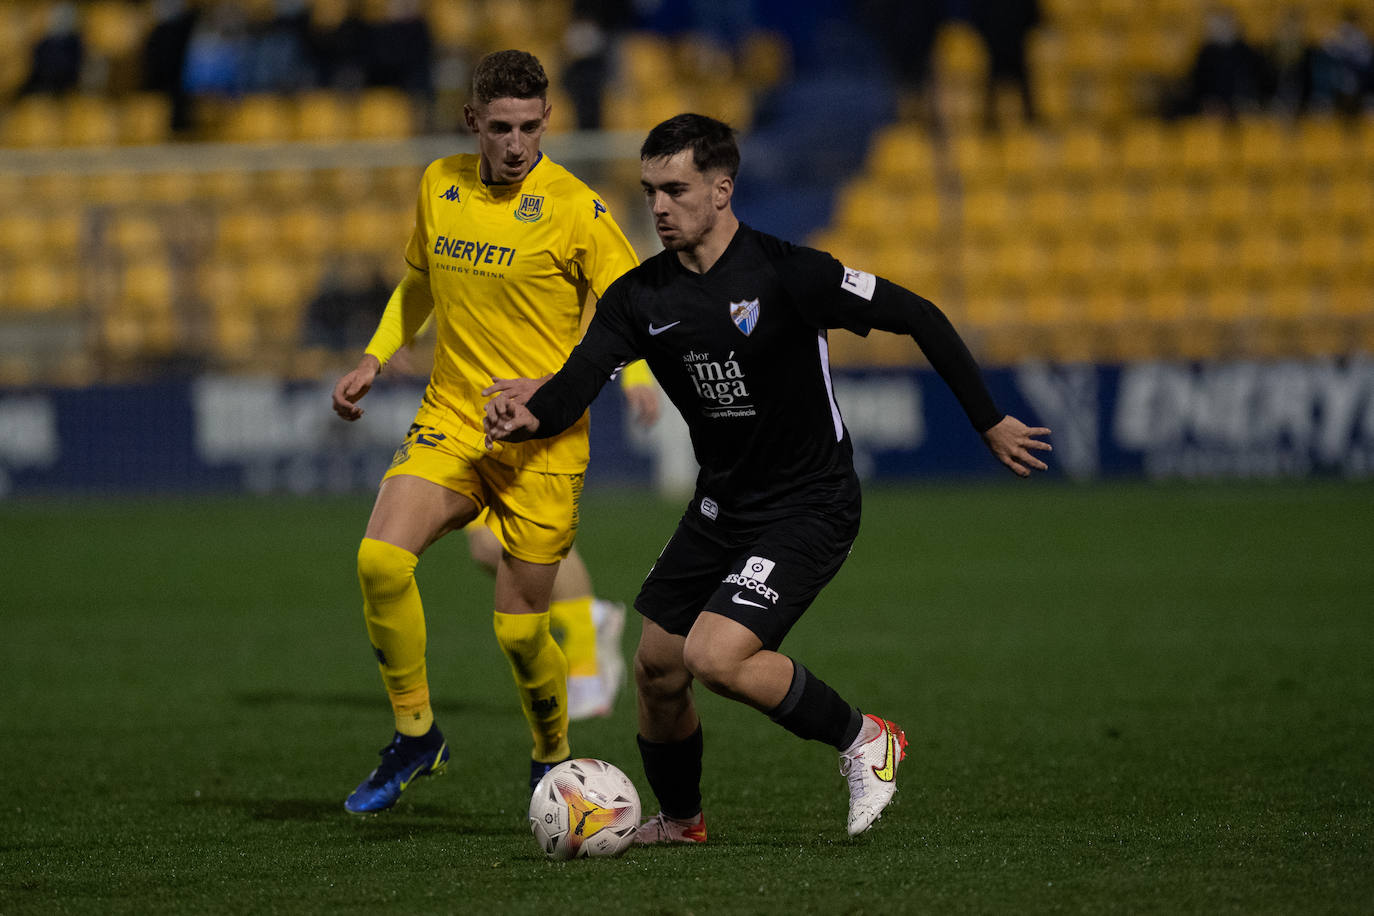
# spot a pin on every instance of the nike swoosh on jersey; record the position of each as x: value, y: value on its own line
x: 654, y: 332
x: 741, y: 600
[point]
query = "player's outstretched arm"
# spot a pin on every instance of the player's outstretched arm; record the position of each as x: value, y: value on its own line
x: 349, y: 390
x: 1014, y: 443
x: 508, y: 421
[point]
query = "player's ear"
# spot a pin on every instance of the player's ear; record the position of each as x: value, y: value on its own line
x: 470, y: 118
x: 722, y: 191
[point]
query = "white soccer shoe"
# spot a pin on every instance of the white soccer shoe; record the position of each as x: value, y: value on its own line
x: 871, y: 768
x: 593, y: 696
x: 664, y: 829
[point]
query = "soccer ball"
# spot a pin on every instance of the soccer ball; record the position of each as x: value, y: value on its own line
x: 582, y: 808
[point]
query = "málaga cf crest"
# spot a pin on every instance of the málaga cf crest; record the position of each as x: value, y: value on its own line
x: 745, y: 315
x: 531, y: 208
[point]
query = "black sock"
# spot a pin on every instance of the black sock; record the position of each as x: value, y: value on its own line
x: 674, y: 772
x: 813, y: 710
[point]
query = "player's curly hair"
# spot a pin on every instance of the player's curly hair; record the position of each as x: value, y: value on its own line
x: 712, y: 143
x: 509, y: 75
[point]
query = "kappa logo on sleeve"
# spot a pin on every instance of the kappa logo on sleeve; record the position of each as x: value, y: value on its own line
x: 860, y: 283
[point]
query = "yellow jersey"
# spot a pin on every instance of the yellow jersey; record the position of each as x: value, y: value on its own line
x: 510, y: 267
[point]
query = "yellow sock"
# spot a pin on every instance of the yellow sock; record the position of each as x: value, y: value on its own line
x: 541, y: 678
x: 571, y: 621
x: 396, y: 625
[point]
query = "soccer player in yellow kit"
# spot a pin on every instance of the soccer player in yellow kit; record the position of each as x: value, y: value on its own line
x: 506, y: 248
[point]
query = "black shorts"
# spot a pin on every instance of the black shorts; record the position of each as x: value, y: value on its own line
x: 762, y: 573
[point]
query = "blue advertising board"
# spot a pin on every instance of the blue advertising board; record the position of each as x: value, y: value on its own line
x: 1154, y: 420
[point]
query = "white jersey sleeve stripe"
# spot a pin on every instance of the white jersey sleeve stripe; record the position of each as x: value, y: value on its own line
x: 835, y: 417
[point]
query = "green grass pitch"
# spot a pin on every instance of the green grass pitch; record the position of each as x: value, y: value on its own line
x: 1120, y: 698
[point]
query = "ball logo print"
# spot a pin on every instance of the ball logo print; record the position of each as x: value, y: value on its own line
x: 758, y: 568
x: 584, y: 808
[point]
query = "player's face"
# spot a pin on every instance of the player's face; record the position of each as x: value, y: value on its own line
x: 508, y: 133
x: 685, y: 203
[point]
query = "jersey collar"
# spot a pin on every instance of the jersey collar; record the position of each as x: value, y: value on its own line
x: 506, y: 184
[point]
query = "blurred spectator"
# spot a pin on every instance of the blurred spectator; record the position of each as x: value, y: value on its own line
x: 164, y: 56
x: 906, y: 32
x: 1227, y: 74
x: 345, y: 310
x: 1343, y: 68
x: 58, y: 55
x: 217, y: 56
x: 1291, y: 58
x: 1006, y: 26
x: 279, y: 49
x: 588, y: 48
x: 337, y: 37
x: 399, y: 50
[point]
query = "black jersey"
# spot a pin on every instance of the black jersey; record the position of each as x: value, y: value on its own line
x: 742, y: 352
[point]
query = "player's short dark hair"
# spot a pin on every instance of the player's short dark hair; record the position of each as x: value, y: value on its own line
x: 712, y: 143
x: 509, y: 75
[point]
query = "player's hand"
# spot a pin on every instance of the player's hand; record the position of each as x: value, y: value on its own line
x: 1014, y: 443
x: 519, y: 390
x: 642, y: 400
x: 349, y: 390
x: 508, y: 421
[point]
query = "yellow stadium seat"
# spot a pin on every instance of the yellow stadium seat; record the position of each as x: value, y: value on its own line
x: 1025, y: 156
x: 245, y: 230
x: 113, y: 28
x: 975, y: 158
x: 1168, y: 207
x: 645, y: 61
x: 1352, y: 200
x: 89, y: 120
x: 1326, y: 145
x: 1261, y: 254
x: 136, y: 234
x: 325, y: 115
x: 146, y: 287
x: 260, y: 119
x: 144, y: 118
x: 1111, y: 209
x: 40, y: 286
x: 21, y: 234
x: 1143, y: 148
x: 385, y: 113
x: 1084, y: 153
x: 1021, y: 260
x: 1226, y: 202
x: 959, y: 53
x: 988, y: 212
x: 765, y: 59
x: 1264, y: 145
x: 32, y: 122
x: 1200, y: 147
x: 454, y: 23
x: 173, y: 187
x: 1319, y: 253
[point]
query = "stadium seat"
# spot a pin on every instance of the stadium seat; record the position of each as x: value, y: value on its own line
x: 324, y: 115
x: 89, y: 120
x: 385, y: 114
x: 259, y: 119
x: 1324, y: 146
x: 40, y: 286
x: 32, y: 122
x: 144, y: 118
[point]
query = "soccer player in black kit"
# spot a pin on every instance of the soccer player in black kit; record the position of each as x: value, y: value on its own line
x: 733, y: 324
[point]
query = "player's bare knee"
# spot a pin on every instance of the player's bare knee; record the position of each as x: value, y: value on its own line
x: 657, y: 679
x: 718, y: 674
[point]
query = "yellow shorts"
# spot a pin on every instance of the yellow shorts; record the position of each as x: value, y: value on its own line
x: 534, y: 515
